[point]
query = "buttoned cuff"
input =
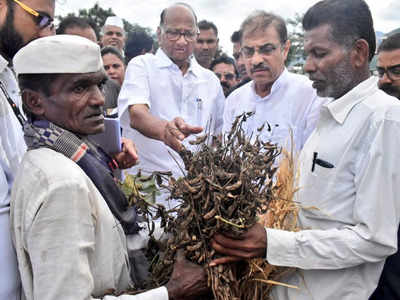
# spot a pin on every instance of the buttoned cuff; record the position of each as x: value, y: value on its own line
x: 281, y: 247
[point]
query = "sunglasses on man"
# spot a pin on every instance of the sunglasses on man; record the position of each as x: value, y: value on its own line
x: 43, y: 20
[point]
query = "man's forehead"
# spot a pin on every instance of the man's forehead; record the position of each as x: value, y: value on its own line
x: 319, y: 35
x: 207, y: 33
x: 261, y: 37
x: 389, y: 58
x: 112, y: 28
x: 179, y: 15
x: 224, y: 67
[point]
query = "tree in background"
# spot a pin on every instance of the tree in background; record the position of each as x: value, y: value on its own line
x: 296, y: 56
x: 97, y: 17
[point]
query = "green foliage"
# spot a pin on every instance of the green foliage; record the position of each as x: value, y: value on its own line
x: 296, y: 55
x: 98, y: 15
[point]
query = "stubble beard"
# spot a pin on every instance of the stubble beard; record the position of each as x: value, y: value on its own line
x: 10, y: 40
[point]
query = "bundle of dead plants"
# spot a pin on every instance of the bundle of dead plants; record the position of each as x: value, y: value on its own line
x: 281, y: 214
x: 226, y: 186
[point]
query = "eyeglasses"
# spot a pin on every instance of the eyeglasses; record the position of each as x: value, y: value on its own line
x: 228, y: 76
x: 174, y: 35
x: 266, y: 49
x: 237, y: 55
x: 42, y: 20
x: 392, y: 72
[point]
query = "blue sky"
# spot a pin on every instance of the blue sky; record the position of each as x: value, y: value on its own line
x: 227, y: 15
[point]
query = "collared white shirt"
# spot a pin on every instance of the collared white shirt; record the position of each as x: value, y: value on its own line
x: 155, y: 80
x: 292, y: 104
x: 69, y: 244
x: 350, y: 212
x: 12, y: 147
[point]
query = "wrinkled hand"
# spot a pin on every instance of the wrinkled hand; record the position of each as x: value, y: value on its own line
x: 187, y: 280
x: 176, y: 131
x: 250, y: 244
x: 128, y: 156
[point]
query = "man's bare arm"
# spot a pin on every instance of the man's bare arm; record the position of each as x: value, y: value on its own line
x: 172, y: 133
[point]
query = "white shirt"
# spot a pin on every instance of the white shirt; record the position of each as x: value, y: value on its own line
x: 350, y: 212
x: 156, y: 81
x: 291, y: 104
x: 12, y: 147
x: 68, y: 243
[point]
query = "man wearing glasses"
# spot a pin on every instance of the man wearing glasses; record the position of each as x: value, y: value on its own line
x: 388, y: 65
x: 168, y: 96
x: 285, y: 100
x: 21, y: 22
x: 225, y: 69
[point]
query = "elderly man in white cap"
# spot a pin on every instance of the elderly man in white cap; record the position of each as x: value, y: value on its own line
x: 114, y: 33
x: 69, y: 226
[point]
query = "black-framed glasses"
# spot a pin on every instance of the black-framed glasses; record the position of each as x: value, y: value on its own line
x: 42, y: 20
x: 228, y: 76
x: 266, y: 49
x: 174, y: 35
x: 392, y: 72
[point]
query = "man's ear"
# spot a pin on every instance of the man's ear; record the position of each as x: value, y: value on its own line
x: 33, y: 101
x: 286, y: 48
x: 360, y: 53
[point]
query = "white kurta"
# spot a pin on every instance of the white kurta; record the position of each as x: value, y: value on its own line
x: 353, y: 226
x: 156, y: 81
x: 12, y: 147
x: 291, y: 105
x: 68, y: 243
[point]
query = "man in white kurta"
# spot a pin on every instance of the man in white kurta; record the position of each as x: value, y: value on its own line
x: 291, y: 106
x: 349, y: 169
x: 353, y: 227
x: 165, y: 86
x: 286, y: 101
x: 69, y: 244
x: 12, y: 147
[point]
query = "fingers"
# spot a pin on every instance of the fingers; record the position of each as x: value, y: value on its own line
x: 185, y: 128
x: 231, y: 251
x: 224, y: 260
x: 129, y: 148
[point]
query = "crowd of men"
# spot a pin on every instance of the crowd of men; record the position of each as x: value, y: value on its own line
x: 66, y: 229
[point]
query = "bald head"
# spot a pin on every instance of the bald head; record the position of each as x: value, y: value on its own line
x: 169, y: 12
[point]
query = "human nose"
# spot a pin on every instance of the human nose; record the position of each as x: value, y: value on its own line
x: 97, y: 97
x: 256, y: 58
x: 309, y: 65
x: 181, y: 39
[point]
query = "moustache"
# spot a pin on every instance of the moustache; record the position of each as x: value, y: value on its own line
x: 260, y: 67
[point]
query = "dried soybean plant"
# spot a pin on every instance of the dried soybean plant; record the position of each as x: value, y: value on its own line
x: 281, y: 214
x: 227, y: 186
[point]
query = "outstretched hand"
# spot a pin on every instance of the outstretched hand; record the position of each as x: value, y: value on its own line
x: 176, y: 131
x: 187, y: 279
x: 250, y: 244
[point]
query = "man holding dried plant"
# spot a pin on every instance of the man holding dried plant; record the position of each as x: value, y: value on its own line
x: 349, y: 169
x: 285, y: 100
x: 69, y: 226
x: 163, y: 93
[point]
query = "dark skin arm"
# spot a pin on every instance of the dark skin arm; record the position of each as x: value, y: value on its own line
x: 187, y: 281
x: 250, y: 244
x: 172, y: 133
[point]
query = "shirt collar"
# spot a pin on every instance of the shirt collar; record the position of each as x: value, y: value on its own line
x: 340, y: 108
x: 3, y: 64
x: 164, y: 62
x: 278, y: 83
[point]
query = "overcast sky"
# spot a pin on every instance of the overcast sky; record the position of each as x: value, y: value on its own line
x: 226, y: 15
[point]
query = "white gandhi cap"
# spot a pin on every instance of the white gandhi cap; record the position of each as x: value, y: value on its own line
x: 58, y: 54
x: 114, y: 21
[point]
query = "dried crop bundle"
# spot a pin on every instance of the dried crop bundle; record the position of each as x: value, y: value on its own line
x: 226, y: 187
x: 281, y: 214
